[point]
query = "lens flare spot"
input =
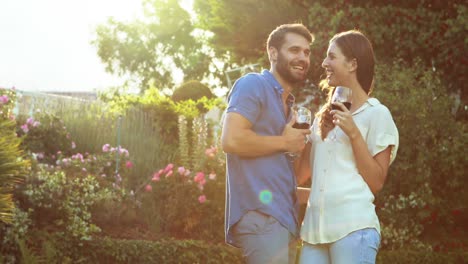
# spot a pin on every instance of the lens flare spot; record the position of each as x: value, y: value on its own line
x: 265, y: 196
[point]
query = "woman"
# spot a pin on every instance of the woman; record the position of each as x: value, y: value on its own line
x: 348, y: 160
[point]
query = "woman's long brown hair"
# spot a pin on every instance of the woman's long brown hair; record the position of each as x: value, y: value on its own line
x: 354, y: 45
x: 325, y: 118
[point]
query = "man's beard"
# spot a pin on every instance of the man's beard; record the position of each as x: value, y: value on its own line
x: 282, y: 67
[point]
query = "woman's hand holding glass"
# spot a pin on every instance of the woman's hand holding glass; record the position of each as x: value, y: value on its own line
x: 341, y: 101
x: 342, y: 117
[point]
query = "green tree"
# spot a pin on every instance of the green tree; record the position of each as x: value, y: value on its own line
x: 432, y: 31
x: 242, y: 27
x: 149, y: 50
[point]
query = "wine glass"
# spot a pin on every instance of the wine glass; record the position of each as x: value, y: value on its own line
x: 343, y: 95
x: 303, y: 121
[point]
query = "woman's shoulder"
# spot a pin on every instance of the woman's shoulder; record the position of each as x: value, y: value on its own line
x: 378, y: 106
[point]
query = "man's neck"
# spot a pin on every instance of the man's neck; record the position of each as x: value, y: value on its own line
x: 287, y: 87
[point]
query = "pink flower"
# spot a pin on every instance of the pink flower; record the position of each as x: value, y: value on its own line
x: 210, y: 152
x: 4, y: 99
x: 202, y: 182
x: 212, y: 176
x: 156, y: 176
x: 36, y: 123
x: 168, y: 167
x: 25, y: 128
x: 123, y: 151
x: 106, y: 148
x: 73, y: 145
x: 199, y: 177
x: 129, y: 165
x: 78, y: 156
x: 201, y: 198
x: 30, y: 121
x: 181, y: 170
x: 40, y: 155
x: 187, y: 173
x: 148, y: 188
x: 169, y: 173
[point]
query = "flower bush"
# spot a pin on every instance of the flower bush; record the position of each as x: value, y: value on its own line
x: 182, y: 203
x: 62, y: 202
x: 109, y: 167
x: 44, y: 135
x: 7, y: 103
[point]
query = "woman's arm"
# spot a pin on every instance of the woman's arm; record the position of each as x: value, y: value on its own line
x: 372, y: 169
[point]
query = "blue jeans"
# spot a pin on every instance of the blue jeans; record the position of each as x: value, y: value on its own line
x: 264, y: 240
x: 360, y: 246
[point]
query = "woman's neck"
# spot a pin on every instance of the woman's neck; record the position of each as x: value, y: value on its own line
x: 359, y: 97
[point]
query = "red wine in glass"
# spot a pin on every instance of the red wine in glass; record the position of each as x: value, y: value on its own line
x: 301, y: 125
x: 303, y: 119
x: 347, y: 104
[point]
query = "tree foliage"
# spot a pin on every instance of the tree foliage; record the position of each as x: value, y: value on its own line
x: 433, y: 31
x: 242, y: 27
x: 149, y: 50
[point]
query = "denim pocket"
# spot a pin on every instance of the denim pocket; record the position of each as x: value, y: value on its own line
x: 254, y: 222
x: 372, y: 237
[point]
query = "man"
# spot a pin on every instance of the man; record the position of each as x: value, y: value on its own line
x: 261, y: 206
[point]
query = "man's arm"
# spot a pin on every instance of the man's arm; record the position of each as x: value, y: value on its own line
x: 239, y: 138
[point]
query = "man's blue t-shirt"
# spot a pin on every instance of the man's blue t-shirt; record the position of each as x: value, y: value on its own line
x: 266, y: 184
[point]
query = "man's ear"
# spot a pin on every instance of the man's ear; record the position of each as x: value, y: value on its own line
x: 273, y: 54
x: 353, y: 65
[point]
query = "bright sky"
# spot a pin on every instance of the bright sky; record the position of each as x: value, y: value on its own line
x: 45, y: 44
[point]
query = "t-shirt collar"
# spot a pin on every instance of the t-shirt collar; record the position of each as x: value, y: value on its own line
x: 277, y: 86
x: 369, y: 102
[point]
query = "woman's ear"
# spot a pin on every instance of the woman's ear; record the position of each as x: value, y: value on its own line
x: 353, y: 65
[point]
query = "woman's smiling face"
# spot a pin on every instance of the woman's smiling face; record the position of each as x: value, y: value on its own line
x: 336, y: 66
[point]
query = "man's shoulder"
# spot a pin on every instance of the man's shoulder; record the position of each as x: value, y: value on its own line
x: 251, y: 82
x: 252, y: 77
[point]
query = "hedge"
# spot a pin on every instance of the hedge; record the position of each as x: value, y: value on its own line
x: 107, y: 250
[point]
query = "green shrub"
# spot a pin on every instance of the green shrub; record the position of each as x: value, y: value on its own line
x: 184, y: 204
x: 105, y: 250
x: 12, y: 163
x: 18, y: 230
x: 61, y: 202
x: 45, y: 135
x: 191, y: 90
x: 189, y: 204
x: 12, y: 167
x: 421, y: 257
x: 424, y: 197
